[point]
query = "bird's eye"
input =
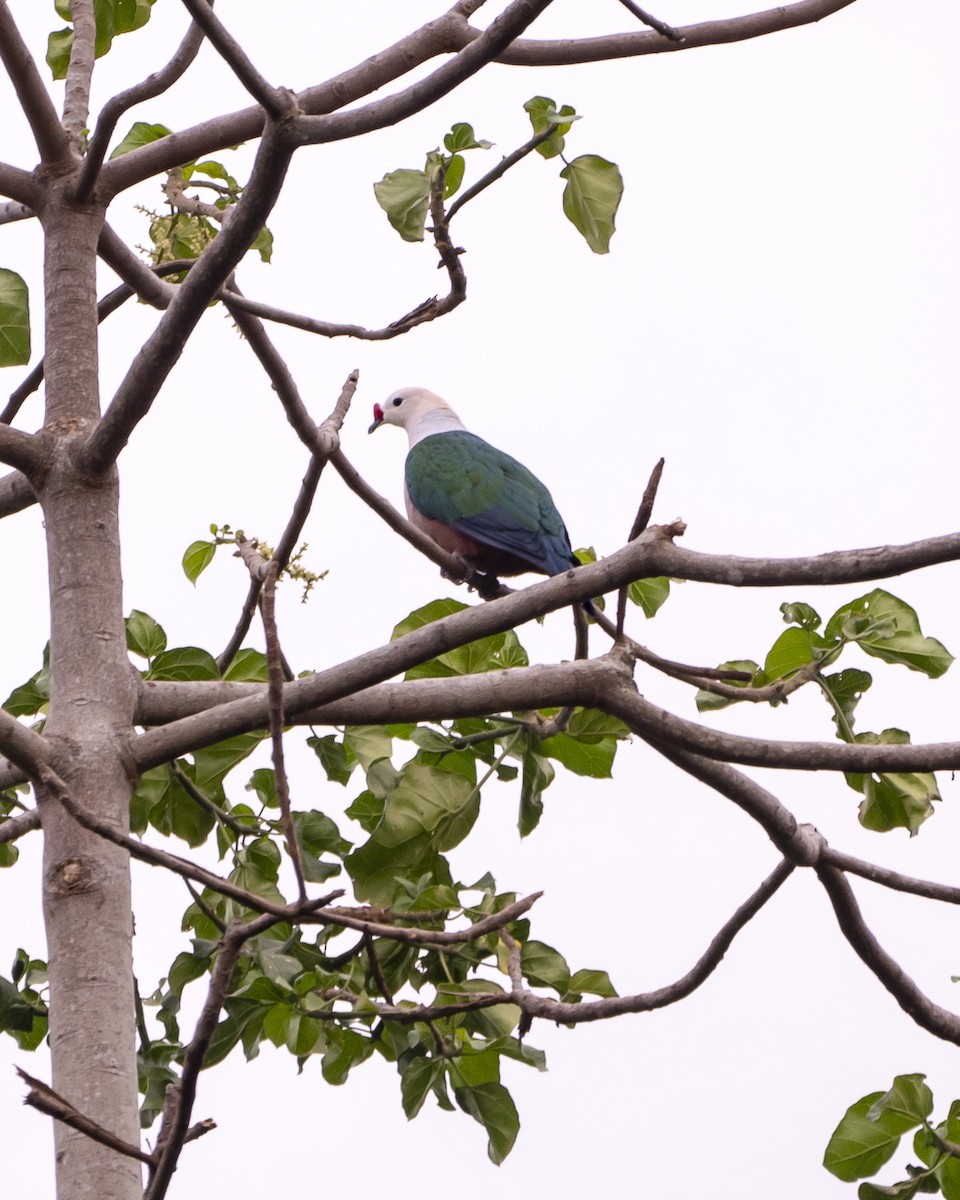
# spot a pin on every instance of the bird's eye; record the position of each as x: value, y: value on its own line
x: 397, y: 401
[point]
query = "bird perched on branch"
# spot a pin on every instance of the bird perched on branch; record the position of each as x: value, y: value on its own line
x: 470, y: 497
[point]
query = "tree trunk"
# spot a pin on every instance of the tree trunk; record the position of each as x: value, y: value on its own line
x: 87, y: 905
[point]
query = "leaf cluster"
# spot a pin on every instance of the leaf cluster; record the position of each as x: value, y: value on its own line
x: 883, y: 627
x: 870, y: 1132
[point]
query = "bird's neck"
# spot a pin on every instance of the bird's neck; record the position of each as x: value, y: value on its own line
x: 437, y: 420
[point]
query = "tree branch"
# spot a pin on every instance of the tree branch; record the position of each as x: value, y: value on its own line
x: 15, y: 827
x: 270, y: 99
x: 936, y: 1020
x: 436, y: 37
x: 46, y: 1100
x: 325, y: 436
x: 446, y: 35
x: 20, y: 450
x: 615, y: 1006
x: 429, y: 310
x: 451, y: 565
x: 566, y: 52
x: 116, y: 106
x: 16, y: 494
x: 76, y: 99
x: 49, y: 135
x: 475, y: 54
x: 147, y: 374
x: 20, y: 186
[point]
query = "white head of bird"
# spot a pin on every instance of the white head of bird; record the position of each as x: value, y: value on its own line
x: 419, y: 411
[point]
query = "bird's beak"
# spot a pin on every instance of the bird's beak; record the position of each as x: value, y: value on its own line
x: 377, y: 418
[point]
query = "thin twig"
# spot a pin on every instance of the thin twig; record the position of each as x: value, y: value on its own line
x: 275, y: 692
x: 46, y: 1100
x: 376, y: 969
x: 640, y: 522
x: 270, y: 99
x: 504, y: 165
x: 930, y: 1016
x: 324, y: 440
x: 661, y: 27
x: 116, y: 106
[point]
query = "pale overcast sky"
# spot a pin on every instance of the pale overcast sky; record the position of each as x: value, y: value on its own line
x: 777, y: 318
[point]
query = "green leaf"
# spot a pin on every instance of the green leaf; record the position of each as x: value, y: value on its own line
x: 417, y: 1078
x: 800, y: 614
x: 847, y: 688
x: 537, y: 776
x: 905, y: 1190
x: 791, y: 651
x: 404, y: 196
x: 591, y: 198
x: 544, y: 967
x: 650, y: 593
x: 589, y: 744
x: 334, y: 757
x: 113, y: 17
x: 543, y: 114
x: 186, y: 663
x: 909, y: 1098
x: 492, y: 1106
x: 263, y: 244
x: 860, y: 1146
x: 144, y: 636
x: 597, y: 983
x: 248, y: 666
x: 886, y: 627
x: 711, y: 702
x: 30, y: 697
x: 14, y: 320
x: 429, y: 810
x: 901, y: 800
x: 494, y: 653
x: 454, y: 176
x: 140, y: 134
x: 196, y: 558
x: 461, y: 137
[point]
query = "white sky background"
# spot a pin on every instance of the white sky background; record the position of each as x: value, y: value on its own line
x: 777, y: 318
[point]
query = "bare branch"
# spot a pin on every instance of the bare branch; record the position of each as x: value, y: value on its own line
x: 13, y: 211
x: 530, y: 53
x: 446, y: 35
x: 640, y: 522
x: 15, y: 827
x: 20, y: 450
x: 46, y: 1100
x: 24, y: 747
x: 656, y: 725
x: 177, y: 1117
x: 162, y: 349
x: 502, y: 167
x: 76, y: 100
x: 269, y: 98
x: 451, y: 565
x: 325, y: 438
x: 20, y: 186
x: 116, y: 106
x: 661, y: 27
x: 16, y: 494
x: 615, y: 1006
x: 936, y: 1020
x: 471, y: 58
x: 888, y: 878
x: 275, y: 697
x: 429, y: 310
x: 52, y: 141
